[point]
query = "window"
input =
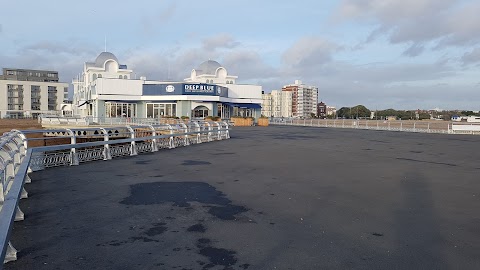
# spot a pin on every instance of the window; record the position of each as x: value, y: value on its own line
x: 125, y: 77
x: 120, y: 76
x: 94, y: 77
x: 99, y: 76
x: 116, y: 109
x: 157, y: 110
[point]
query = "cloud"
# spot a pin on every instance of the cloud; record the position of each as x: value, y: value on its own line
x: 440, y: 22
x: 220, y: 41
x: 309, y: 51
x: 471, y: 57
x: 152, y: 22
x: 414, y: 50
x: 166, y: 14
x: 248, y: 65
x: 72, y: 47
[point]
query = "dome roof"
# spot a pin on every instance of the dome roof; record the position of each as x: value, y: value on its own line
x: 103, y: 57
x: 208, y: 67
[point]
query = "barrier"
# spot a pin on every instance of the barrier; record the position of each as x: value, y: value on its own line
x: 442, y: 127
x: 16, y: 160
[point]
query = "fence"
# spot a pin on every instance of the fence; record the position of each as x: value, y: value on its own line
x: 17, y: 159
x: 51, y: 120
x: 406, y: 126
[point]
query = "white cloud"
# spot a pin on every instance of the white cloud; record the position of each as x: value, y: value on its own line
x: 472, y: 57
x: 219, y: 41
x: 440, y: 22
x: 309, y: 51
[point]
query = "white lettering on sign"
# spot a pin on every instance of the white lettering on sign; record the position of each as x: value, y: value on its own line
x: 199, y: 88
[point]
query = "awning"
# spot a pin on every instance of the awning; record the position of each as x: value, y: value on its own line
x: 248, y: 105
x: 244, y: 105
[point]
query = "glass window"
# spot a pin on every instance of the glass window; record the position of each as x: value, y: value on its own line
x: 94, y: 77
x: 99, y: 75
x: 125, y: 77
x: 156, y: 110
x: 120, y: 76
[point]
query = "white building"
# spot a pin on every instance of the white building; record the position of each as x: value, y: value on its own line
x: 267, y: 105
x: 331, y: 111
x: 277, y: 104
x: 28, y: 93
x: 106, y: 89
x: 304, y: 99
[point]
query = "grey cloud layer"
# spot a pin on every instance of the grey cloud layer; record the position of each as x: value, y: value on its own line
x: 418, y: 22
x: 311, y: 59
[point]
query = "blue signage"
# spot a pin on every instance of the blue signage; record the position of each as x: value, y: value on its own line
x: 185, y: 89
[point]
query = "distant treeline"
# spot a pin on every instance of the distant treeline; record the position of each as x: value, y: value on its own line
x: 361, y: 111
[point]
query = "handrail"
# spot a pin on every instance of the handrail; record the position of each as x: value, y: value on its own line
x: 384, y: 125
x: 21, y: 162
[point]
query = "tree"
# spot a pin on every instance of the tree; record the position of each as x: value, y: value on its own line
x: 344, y: 112
x: 360, y: 111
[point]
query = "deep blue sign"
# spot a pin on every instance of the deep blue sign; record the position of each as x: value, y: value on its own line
x: 185, y: 89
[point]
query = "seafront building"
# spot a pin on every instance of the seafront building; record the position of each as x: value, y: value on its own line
x: 304, y: 99
x: 29, y: 93
x: 106, y: 89
x: 277, y: 104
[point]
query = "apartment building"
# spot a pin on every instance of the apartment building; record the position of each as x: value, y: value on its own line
x: 28, y: 93
x: 277, y: 104
x: 266, y: 105
x: 304, y: 99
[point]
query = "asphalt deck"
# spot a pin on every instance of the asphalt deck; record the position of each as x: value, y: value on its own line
x: 269, y: 198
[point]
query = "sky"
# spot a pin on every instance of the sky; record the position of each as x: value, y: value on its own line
x: 402, y: 54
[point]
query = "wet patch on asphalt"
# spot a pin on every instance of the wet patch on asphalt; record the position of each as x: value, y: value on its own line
x: 181, y: 194
x: 143, y: 162
x: 430, y: 162
x: 221, y: 154
x: 197, y: 228
x: 157, y: 229
x: 184, y: 194
x: 195, y: 162
x: 215, y: 256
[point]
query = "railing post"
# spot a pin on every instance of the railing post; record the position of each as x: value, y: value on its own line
x: 414, y: 129
x: 106, y: 147
x: 227, y: 132
x: 388, y: 125
x: 10, y: 254
x: 154, y: 140
x: 133, y: 147
x: 428, y: 128
x: 401, y: 126
x: 171, y: 144
x: 73, y: 151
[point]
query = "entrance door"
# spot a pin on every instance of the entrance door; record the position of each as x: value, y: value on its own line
x: 200, y: 112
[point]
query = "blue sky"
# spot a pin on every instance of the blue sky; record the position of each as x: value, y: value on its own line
x: 404, y: 54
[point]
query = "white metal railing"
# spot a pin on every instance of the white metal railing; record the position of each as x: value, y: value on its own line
x: 443, y: 127
x: 17, y: 160
x: 53, y: 120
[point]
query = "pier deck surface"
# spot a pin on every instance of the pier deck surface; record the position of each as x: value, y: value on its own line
x: 268, y: 198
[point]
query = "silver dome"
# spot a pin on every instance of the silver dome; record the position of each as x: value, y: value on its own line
x: 208, y: 67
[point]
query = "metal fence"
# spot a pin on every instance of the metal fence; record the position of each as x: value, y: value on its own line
x: 444, y: 127
x: 17, y: 160
x: 52, y: 120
